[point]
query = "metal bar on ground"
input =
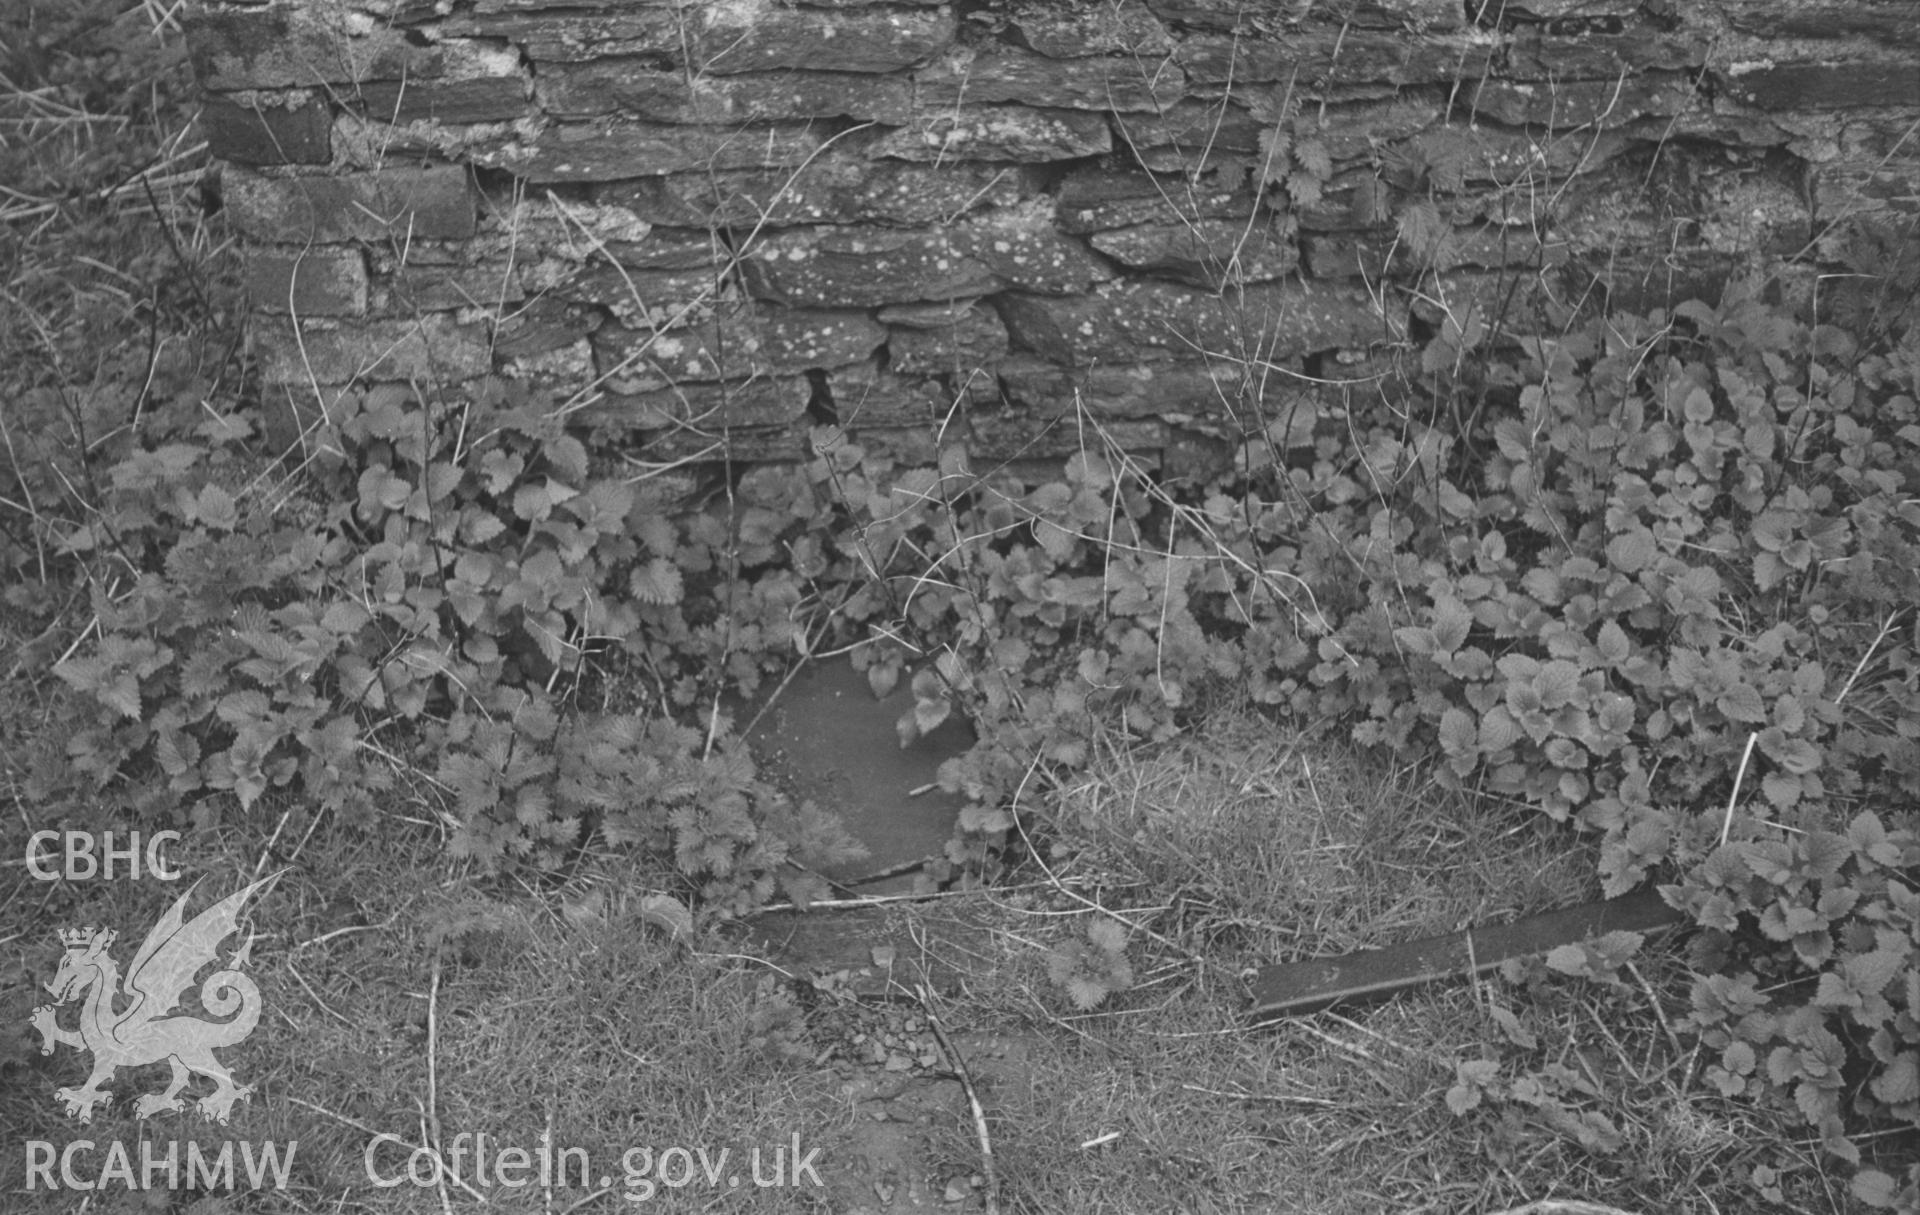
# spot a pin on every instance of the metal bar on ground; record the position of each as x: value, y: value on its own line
x: 1297, y: 988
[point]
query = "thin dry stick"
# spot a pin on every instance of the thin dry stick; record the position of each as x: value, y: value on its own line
x: 1726, y: 823
x: 1658, y: 1010
x: 1054, y: 880
x: 1564, y: 1206
x: 1885, y: 628
x: 961, y: 1070
x: 432, y: 1128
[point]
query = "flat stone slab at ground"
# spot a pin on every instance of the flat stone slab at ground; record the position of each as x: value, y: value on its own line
x: 825, y: 738
x: 880, y: 951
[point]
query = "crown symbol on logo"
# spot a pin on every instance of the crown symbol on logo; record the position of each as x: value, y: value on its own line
x: 80, y: 938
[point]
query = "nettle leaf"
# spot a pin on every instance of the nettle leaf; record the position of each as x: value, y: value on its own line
x: 1613, y: 644
x: 1416, y: 639
x: 1796, y: 755
x: 1511, y: 435
x: 1899, y: 1082
x: 1557, y: 683
x: 216, y: 508
x: 1423, y: 230
x: 1312, y: 157
x: 1742, y: 702
x: 568, y: 456
x: 657, y: 582
x: 382, y: 491
x: 1372, y: 202
x: 1108, y: 935
x: 1782, y: 790
x: 1869, y: 838
x: 1276, y: 147
x: 1632, y: 551
x: 1498, y: 730
x: 1086, y: 993
x: 534, y: 501
x: 1458, y: 736
x: 1304, y: 189
x: 1452, y: 621
x: 1870, y: 974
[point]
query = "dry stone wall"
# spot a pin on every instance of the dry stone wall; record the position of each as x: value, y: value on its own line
x: 691, y: 220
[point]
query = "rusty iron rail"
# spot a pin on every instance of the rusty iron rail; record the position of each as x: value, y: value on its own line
x: 1297, y: 988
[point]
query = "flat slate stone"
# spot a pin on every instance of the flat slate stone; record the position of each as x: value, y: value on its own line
x: 824, y: 737
x: 876, y: 948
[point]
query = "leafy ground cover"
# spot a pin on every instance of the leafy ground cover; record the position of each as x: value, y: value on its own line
x: 1636, y: 604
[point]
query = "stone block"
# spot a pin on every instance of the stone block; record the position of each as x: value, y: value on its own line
x: 395, y: 204
x: 650, y: 299
x: 832, y: 188
x: 502, y: 98
x: 1192, y: 126
x: 863, y: 267
x: 1823, y: 86
x: 292, y: 46
x: 1382, y: 255
x: 1581, y: 103
x: 739, y: 344
x: 368, y: 143
x: 943, y: 339
x: 864, y: 395
x: 571, y: 37
x: 1020, y: 246
x: 702, y: 411
x: 997, y: 133
x: 313, y: 282
x: 414, y: 287
x: 578, y: 153
x: 542, y: 329
x: 633, y: 87
x: 1351, y: 132
x: 672, y: 249
x: 1211, y: 253
x: 1313, y: 60
x: 1016, y: 435
x: 1515, y: 303
x: 431, y: 349
x: 1354, y: 201
x: 1419, y: 15
x: 571, y: 229
x: 1534, y: 55
x: 1455, y: 159
x: 872, y: 266
x: 1060, y: 31
x: 1209, y: 15
x: 567, y: 369
x: 1128, y: 322
x: 268, y: 128
x: 760, y: 38
x: 997, y: 73
x: 1094, y: 198
x: 1884, y: 23
x: 1864, y: 189
x: 1183, y: 388
x: 1570, y: 10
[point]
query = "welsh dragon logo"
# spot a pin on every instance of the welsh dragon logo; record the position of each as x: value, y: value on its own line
x: 143, y: 1031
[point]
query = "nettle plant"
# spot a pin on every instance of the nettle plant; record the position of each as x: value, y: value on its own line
x: 1658, y: 581
x: 1670, y: 594
x: 432, y: 601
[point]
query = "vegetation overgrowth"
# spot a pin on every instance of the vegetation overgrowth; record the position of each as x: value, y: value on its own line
x: 1655, y: 578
